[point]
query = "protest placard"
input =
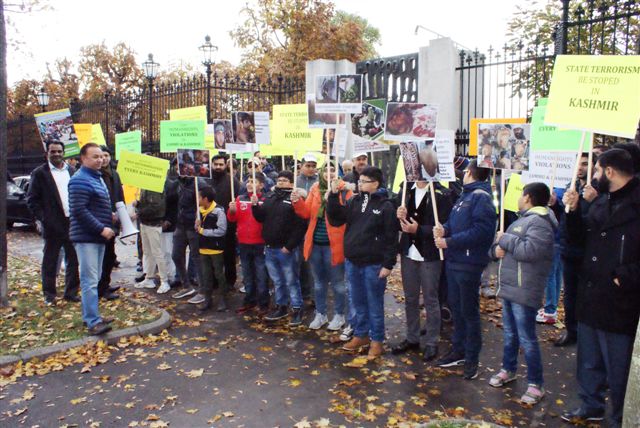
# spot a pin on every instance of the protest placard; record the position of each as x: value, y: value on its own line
x: 142, y: 171
x: 181, y: 134
x: 474, y: 130
x: 549, y: 138
x: 550, y: 168
x: 57, y: 125
x: 250, y: 127
x: 291, y: 132
x: 97, y: 136
x: 83, y: 133
x: 338, y: 93
x: 189, y: 113
x: 410, y: 122
x: 597, y: 93
x: 504, y: 146
x: 513, y: 193
x: 368, y: 124
x: 129, y: 141
x: 322, y: 120
x: 222, y: 133
x: 194, y: 163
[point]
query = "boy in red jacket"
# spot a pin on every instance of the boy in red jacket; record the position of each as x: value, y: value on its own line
x: 251, y: 246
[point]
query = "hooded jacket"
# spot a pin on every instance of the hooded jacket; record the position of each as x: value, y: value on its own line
x: 371, y: 235
x: 528, y: 245
x: 249, y: 229
x: 470, y: 229
x: 281, y: 227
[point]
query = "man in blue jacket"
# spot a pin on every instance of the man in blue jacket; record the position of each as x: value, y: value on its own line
x: 467, y: 237
x: 91, y: 228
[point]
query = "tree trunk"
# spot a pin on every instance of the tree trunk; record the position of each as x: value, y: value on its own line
x: 3, y: 159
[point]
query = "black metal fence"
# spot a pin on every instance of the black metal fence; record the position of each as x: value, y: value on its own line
x: 146, y: 107
x: 505, y: 82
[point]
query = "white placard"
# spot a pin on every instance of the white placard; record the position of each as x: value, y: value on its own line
x: 541, y: 168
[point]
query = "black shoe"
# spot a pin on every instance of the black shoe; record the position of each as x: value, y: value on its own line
x: 222, y: 305
x: 100, y: 328
x: 116, y: 263
x: 205, y: 306
x: 445, y: 314
x: 452, y: 359
x: 404, y: 346
x: 470, y: 370
x: 423, y: 332
x: 429, y: 353
x: 74, y: 299
x: 296, y: 317
x: 566, y: 339
x: 113, y: 288
x: 278, y: 314
x: 141, y: 277
x: 110, y: 296
x: 139, y: 267
x: 175, y: 284
x: 581, y: 416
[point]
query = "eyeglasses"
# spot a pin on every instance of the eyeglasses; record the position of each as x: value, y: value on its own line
x: 366, y: 181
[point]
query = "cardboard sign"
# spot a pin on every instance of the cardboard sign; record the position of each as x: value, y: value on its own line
x: 338, y: 93
x: 57, y: 125
x: 194, y: 163
x: 181, y: 134
x: 549, y: 138
x: 474, y: 130
x: 513, y: 193
x: 369, y: 123
x: 291, y: 132
x: 541, y: 168
x: 598, y: 93
x: 322, y: 120
x: 83, y: 132
x: 189, y: 113
x: 250, y: 127
x: 410, y: 122
x: 97, y: 136
x: 129, y: 141
x: 504, y: 146
x: 142, y: 171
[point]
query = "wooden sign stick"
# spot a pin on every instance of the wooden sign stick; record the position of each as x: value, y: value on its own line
x: 435, y: 212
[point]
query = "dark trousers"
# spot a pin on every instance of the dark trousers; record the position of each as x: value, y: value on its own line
x: 107, y: 267
x: 211, y: 266
x: 254, y: 274
x: 570, y: 276
x: 50, y: 268
x: 464, y: 301
x: 230, y: 255
x: 603, y: 360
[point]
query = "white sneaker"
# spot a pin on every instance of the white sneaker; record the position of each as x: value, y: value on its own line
x: 147, y: 283
x: 336, y: 323
x: 242, y: 289
x: 318, y: 321
x: 198, y: 298
x: 164, y: 288
x: 347, y: 334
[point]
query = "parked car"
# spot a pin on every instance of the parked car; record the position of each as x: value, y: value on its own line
x: 17, y: 210
x: 22, y: 182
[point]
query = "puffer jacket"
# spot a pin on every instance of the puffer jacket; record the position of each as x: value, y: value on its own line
x: 89, y: 205
x: 529, y: 246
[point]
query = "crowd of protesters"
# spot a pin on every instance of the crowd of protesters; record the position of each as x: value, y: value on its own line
x: 340, y: 231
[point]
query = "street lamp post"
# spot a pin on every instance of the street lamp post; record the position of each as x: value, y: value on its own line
x: 150, y: 71
x: 43, y: 99
x: 208, y: 52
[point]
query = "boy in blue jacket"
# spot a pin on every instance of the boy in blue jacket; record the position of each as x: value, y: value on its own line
x: 467, y: 236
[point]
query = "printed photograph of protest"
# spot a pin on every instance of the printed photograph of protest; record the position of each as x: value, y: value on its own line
x: 327, y: 89
x: 321, y: 120
x: 244, y: 127
x: 420, y: 161
x: 222, y: 133
x: 328, y: 135
x: 58, y: 126
x: 350, y: 88
x: 193, y: 163
x: 410, y: 121
x: 369, y: 124
x: 504, y: 146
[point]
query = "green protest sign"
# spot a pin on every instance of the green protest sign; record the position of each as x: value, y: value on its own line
x: 142, y: 171
x: 181, y: 134
x: 549, y: 138
x: 129, y: 141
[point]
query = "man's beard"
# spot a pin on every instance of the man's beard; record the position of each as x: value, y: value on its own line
x: 603, y: 184
x: 217, y: 173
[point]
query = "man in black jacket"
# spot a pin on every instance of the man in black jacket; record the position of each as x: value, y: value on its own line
x: 221, y: 183
x: 48, y: 201
x: 421, y: 265
x: 608, y: 304
x: 370, y: 250
x: 283, y: 231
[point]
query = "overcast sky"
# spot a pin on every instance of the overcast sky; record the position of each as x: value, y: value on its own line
x: 174, y: 33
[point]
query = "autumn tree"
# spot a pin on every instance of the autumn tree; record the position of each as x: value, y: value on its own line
x: 279, y: 36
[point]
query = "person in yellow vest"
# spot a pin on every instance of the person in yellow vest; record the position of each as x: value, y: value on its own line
x: 211, y: 227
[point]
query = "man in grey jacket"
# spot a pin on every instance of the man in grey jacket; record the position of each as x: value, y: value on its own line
x: 525, y: 251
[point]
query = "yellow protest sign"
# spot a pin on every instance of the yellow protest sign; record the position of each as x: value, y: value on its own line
x: 83, y: 132
x: 130, y: 193
x: 291, y: 131
x: 189, y: 113
x: 513, y: 193
x: 145, y: 172
x: 474, y: 130
x: 399, y: 177
x: 96, y: 135
x: 599, y: 93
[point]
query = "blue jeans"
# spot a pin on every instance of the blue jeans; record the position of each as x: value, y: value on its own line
x: 90, y: 258
x: 519, y: 328
x: 367, y: 292
x: 603, y: 360
x: 554, y: 283
x: 254, y: 274
x: 323, y: 273
x: 463, y: 297
x: 283, y: 271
